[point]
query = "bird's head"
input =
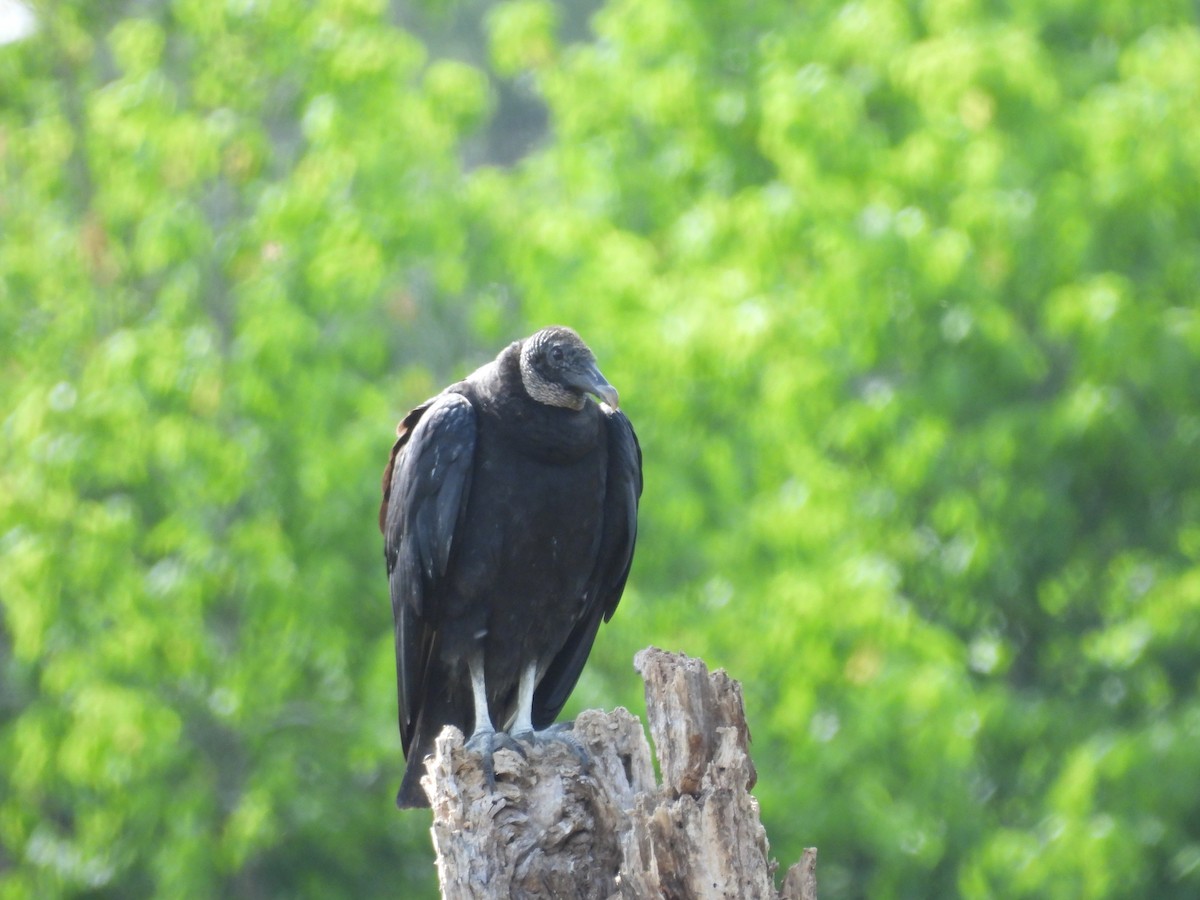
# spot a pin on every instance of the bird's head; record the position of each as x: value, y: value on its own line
x: 558, y: 369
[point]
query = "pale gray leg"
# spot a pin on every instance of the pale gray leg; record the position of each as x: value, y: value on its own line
x: 484, y: 739
x: 522, y: 726
x: 523, y: 723
x: 483, y: 719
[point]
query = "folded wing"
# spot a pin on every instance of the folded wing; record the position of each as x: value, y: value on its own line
x: 425, y: 491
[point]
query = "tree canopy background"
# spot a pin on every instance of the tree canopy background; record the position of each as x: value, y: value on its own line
x: 900, y: 296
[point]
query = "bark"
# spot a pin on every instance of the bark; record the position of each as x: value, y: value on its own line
x: 588, y: 819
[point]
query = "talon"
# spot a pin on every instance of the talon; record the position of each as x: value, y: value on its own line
x: 560, y: 732
x: 581, y: 752
x: 481, y: 742
x: 506, y: 741
x: 484, y: 743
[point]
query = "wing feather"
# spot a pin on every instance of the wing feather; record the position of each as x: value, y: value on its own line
x: 425, y: 492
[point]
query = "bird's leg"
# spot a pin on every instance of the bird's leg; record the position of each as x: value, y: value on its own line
x: 484, y: 740
x: 523, y: 723
x: 483, y: 719
x: 522, y: 726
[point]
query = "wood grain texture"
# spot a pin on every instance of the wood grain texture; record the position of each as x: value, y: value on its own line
x: 555, y: 826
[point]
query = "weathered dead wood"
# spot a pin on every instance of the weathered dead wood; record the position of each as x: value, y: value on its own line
x: 554, y: 827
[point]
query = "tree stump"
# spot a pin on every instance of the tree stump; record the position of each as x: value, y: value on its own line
x: 554, y: 826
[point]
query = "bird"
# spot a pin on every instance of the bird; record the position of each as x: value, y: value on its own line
x: 509, y: 517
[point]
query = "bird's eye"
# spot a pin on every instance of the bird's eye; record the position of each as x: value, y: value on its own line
x: 556, y: 354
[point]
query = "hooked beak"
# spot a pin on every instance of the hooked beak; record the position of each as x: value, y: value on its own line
x: 594, y: 383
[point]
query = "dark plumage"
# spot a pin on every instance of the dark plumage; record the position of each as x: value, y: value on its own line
x: 509, y: 517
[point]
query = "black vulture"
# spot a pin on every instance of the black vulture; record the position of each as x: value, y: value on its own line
x: 509, y: 517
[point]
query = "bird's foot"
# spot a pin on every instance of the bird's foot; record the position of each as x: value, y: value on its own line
x: 486, y: 743
x: 559, y: 732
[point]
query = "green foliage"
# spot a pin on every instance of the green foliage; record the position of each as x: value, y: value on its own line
x: 900, y: 297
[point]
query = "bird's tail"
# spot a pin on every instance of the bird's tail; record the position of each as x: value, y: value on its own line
x: 411, y: 795
x: 446, y: 706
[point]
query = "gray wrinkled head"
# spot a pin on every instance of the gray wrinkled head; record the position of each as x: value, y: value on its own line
x: 558, y: 369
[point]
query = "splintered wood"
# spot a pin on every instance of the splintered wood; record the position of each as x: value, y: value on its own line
x: 555, y: 826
